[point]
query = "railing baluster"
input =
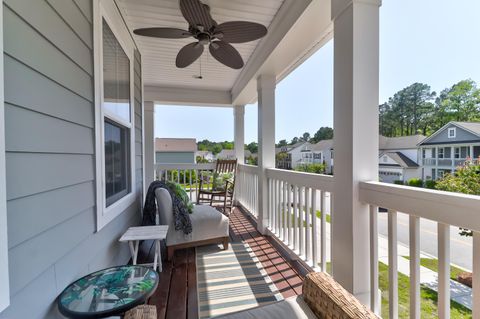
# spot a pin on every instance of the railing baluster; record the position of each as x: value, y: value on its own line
x: 301, y: 233
x: 289, y: 214
x: 316, y: 238
x: 295, y: 216
x: 443, y: 232
x: 282, y: 212
x: 285, y: 213
x: 308, y: 234
x: 374, y: 300
x: 414, y: 234
x: 392, y: 265
x: 476, y: 275
x: 323, y: 230
x: 270, y: 200
x: 277, y: 205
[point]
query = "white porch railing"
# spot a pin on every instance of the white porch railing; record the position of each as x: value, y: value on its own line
x: 297, y: 213
x: 186, y: 174
x: 447, y: 209
x: 246, y: 188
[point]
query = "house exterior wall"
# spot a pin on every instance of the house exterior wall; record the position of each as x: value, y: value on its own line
x: 175, y: 157
x: 462, y: 136
x: 50, y: 155
x: 297, y: 154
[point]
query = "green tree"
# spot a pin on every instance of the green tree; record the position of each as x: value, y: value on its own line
x: 253, y: 147
x: 305, y: 137
x: 324, y: 133
x: 282, y: 143
x: 294, y: 141
x: 465, y: 180
x: 216, y: 148
x: 461, y: 102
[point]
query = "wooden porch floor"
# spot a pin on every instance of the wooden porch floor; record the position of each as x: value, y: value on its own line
x: 176, y: 296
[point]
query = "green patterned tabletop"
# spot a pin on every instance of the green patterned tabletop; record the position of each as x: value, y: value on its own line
x: 108, y: 292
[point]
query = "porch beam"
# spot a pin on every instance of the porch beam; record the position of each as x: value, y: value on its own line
x: 239, y: 132
x: 266, y: 143
x: 149, y: 142
x: 187, y: 96
x: 356, y: 78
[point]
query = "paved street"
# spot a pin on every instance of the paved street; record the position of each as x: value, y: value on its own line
x: 460, y: 246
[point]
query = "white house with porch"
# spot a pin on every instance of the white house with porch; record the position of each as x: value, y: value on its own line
x: 77, y: 147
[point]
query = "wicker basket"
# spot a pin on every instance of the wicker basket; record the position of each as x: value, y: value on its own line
x: 142, y: 312
x: 327, y: 299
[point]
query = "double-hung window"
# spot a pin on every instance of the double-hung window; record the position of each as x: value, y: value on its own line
x: 114, y: 115
x: 441, y: 152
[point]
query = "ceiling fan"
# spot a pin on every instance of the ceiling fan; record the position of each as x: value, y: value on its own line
x: 208, y: 32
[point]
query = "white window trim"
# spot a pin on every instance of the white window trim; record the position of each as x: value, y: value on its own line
x: 454, y: 130
x: 4, y: 274
x: 106, y: 9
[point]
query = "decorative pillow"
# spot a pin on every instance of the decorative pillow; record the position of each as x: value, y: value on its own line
x: 181, y: 193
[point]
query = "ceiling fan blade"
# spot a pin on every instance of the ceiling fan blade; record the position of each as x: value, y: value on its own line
x: 197, y: 13
x: 189, y: 54
x: 226, y: 54
x: 167, y: 33
x: 240, y: 31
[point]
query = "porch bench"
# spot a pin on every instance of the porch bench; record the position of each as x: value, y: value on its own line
x: 209, y: 226
x: 322, y: 298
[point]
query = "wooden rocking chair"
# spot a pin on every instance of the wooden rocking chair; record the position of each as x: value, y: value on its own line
x: 224, y: 195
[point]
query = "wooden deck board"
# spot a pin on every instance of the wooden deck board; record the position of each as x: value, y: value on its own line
x: 176, y: 296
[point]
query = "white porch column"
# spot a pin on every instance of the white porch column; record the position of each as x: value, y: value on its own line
x: 149, y: 130
x: 356, y: 80
x: 239, y: 132
x: 266, y: 143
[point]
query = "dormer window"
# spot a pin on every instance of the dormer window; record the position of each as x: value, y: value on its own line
x: 452, y: 132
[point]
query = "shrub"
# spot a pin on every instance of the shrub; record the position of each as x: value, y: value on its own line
x: 399, y: 182
x: 431, y: 184
x: 311, y: 168
x: 466, y: 180
x: 415, y: 182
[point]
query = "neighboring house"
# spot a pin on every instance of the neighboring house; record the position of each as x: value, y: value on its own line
x: 300, y: 153
x: 448, y: 148
x: 206, y: 155
x: 322, y: 152
x: 230, y: 155
x: 283, y: 159
x: 398, y: 158
x: 175, y: 150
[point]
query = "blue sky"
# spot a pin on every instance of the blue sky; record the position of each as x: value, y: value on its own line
x: 431, y: 41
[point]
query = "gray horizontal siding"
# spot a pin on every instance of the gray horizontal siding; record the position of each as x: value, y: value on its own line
x: 20, y: 38
x: 44, y: 95
x: 50, y: 155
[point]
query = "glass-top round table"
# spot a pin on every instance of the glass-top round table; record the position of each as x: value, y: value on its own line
x: 108, y: 292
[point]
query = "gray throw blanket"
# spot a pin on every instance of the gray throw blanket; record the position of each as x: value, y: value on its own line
x: 180, y: 211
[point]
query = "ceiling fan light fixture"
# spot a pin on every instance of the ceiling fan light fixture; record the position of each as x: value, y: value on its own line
x: 207, y: 31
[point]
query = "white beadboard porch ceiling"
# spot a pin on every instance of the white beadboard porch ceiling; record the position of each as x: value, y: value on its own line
x: 159, y: 54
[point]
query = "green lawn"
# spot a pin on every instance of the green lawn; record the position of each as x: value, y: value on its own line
x: 428, y: 303
x: 432, y: 264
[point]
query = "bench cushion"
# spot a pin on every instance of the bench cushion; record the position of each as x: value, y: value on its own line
x: 207, y: 222
x: 290, y: 308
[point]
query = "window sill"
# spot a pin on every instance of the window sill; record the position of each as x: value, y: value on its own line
x: 107, y: 214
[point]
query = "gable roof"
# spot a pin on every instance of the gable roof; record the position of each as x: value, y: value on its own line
x: 322, y: 145
x: 295, y: 146
x: 401, y: 159
x: 401, y: 142
x: 471, y: 127
x: 175, y: 145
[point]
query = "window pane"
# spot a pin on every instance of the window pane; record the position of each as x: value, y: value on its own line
x: 117, y: 163
x: 116, y: 76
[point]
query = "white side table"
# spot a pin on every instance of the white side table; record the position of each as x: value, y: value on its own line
x: 134, y: 235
